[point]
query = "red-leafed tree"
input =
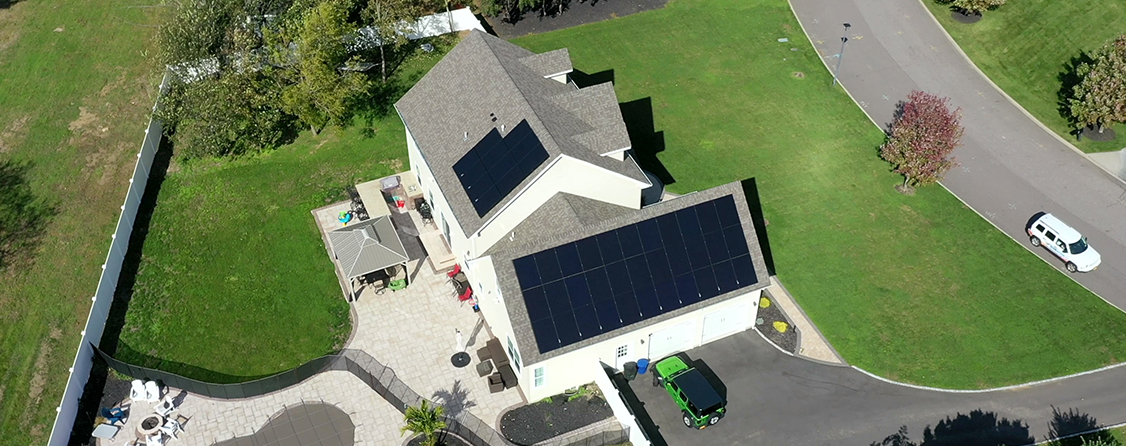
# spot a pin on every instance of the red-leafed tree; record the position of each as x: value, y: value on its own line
x: 921, y: 140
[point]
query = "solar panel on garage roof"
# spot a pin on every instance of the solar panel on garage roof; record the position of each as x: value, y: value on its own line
x: 496, y: 165
x: 606, y: 281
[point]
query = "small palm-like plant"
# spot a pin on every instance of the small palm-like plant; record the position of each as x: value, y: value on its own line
x: 424, y: 419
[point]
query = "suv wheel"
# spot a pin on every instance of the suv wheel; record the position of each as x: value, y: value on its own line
x: 713, y: 420
x: 657, y: 380
x: 1035, y: 241
x: 1071, y: 267
x: 687, y: 420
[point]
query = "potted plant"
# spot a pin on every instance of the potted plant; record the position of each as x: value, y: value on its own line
x: 425, y: 420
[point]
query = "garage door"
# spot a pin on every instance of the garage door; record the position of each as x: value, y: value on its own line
x: 671, y: 340
x: 726, y: 321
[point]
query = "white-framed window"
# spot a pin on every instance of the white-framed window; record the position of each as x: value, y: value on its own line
x: 514, y: 354
x: 622, y: 351
x: 540, y: 377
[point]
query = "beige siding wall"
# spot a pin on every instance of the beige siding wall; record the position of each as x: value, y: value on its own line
x: 574, y: 368
x: 459, y: 245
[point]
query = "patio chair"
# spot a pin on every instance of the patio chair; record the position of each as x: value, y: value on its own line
x: 156, y: 439
x: 468, y: 294
x: 484, y: 367
x: 397, y: 285
x: 165, y: 407
x: 455, y: 271
x: 114, y: 415
x: 172, y: 428
x: 496, y: 384
x: 152, y: 391
x: 137, y: 390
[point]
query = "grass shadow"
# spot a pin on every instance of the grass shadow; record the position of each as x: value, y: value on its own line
x: 23, y: 215
x: 758, y: 219
x: 646, y: 141
x: 1069, y: 77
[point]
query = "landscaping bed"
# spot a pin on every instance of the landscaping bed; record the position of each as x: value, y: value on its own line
x: 775, y: 326
x: 554, y: 415
x: 444, y: 439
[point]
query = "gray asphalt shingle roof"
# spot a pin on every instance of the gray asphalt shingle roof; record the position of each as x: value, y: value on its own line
x: 367, y: 246
x: 452, y: 107
x: 514, y: 300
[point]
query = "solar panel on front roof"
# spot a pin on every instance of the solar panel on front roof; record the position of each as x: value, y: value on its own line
x: 622, y: 276
x: 496, y: 165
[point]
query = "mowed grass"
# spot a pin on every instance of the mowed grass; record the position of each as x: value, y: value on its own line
x: 235, y: 282
x: 75, y: 92
x: 1024, y: 46
x: 918, y: 289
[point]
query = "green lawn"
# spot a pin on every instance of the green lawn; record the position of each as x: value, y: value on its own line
x: 1024, y: 45
x: 235, y: 281
x: 918, y: 289
x: 75, y: 92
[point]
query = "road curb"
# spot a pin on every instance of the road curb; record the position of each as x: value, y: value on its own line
x: 995, y: 389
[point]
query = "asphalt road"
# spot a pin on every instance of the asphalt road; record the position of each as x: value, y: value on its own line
x: 777, y: 399
x: 1011, y: 168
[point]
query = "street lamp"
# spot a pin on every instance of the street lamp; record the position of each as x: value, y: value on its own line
x: 844, y: 40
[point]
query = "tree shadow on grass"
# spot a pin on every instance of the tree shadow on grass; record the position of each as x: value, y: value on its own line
x: 5, y: 4
x: 1072, y: 428
x: 23, y: 215
x: 978, y: 428
x: 1069, y: 77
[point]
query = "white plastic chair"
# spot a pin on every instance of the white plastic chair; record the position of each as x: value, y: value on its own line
x: 152, y: 392
x: 137, y: 391
x: 172, y: 428
x: 156, y: 439
x: 165, y: 407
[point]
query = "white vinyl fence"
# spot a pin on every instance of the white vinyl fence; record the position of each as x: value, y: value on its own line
x: 618, y: 405
x: 107, y: 284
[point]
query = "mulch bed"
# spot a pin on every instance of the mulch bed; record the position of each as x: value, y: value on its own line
x: 544, y: 420
x: 1093, y: 134
x: 787, y: 341
x: 446, y: 439
x: 574, y: 14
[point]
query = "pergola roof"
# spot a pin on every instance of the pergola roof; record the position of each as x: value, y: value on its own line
x: 370, y: 245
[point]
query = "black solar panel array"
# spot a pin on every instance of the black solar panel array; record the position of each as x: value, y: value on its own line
x: 585, y: 288
x: 496, y: 165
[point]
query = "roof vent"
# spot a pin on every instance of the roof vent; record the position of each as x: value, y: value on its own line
x: 465, y: 137
x: 502, y: 127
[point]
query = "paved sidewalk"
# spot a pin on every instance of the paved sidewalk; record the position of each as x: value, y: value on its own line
x: 813, y: 344
x: 1011, y: 166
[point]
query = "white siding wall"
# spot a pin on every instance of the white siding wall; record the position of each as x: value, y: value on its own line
x: 565, y: 175
x: 458, y: 243
x: 574, y: 368
x: 482, y: 277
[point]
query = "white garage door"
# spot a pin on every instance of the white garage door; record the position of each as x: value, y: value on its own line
x: 726, y: 321
x: 671, y: 340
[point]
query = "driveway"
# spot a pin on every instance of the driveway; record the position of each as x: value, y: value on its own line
x: 1011, y: 167
x: 777, y: 399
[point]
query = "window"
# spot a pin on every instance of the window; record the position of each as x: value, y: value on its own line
x: 1040, y: 228
x: 1079, y: 246
x: 538, y: 373
x: 514, y: 355
x: 1050, y: 236
x: 622, y: 351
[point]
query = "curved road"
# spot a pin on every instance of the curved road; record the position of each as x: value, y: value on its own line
x: 776, y: 399
x: 1011, y: 167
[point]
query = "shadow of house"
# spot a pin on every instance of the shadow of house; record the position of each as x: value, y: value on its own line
x: 646, y: 141
x: 758, y: 219
x: 977, y: 428
x: 583, y: 79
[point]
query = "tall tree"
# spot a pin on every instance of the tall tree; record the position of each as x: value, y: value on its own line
x: 922, y: 138
x: 312, y: 59
x: 1100, y: 97
x: 425, y: 420
x: 391, y: 20
x: 976, y: 6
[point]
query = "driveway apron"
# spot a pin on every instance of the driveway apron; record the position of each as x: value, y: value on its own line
x: 1011, y: 167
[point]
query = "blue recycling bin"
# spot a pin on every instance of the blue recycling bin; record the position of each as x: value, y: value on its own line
x: 642, y: 365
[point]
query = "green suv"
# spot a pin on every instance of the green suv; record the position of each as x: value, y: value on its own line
x: 699, y: 402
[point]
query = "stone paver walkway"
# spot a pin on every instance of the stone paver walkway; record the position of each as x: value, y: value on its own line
x: 212, y: 420
x: 413, y: 331
x: 813, y: 344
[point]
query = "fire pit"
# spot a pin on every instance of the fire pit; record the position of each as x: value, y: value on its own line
x: 151, y: 424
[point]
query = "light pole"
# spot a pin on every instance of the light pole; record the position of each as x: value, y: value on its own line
x: 844, y: 40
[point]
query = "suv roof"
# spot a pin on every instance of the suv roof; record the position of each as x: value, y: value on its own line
x: 698, y: 390
x: 1067, y: 233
